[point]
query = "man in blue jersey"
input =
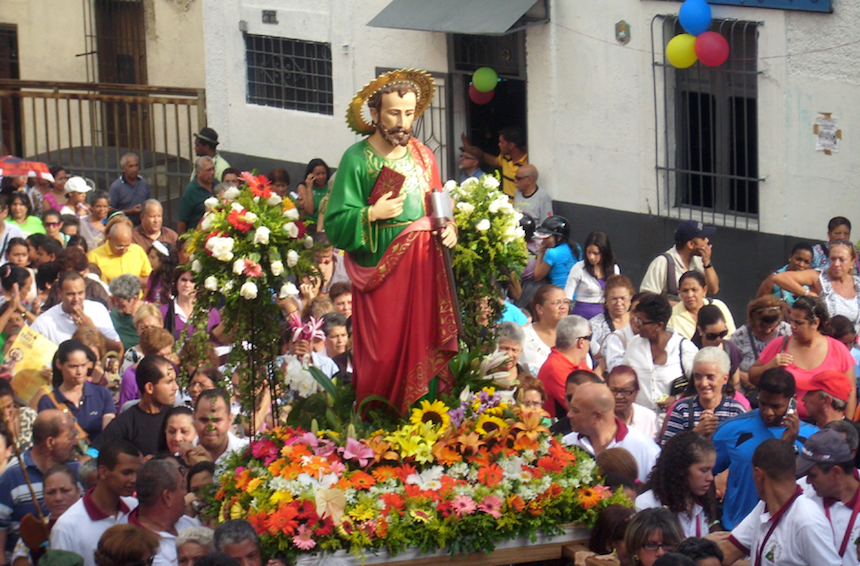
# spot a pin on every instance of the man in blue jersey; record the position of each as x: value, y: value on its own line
x: 736, y: 439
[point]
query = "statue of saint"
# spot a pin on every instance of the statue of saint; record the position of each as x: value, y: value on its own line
x: 403, y: 319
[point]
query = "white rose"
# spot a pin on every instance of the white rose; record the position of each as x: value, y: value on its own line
x: 490, y: 181
x: 236, y: 207
x: 309, y: 242
x: 206, y: 223
x: 248, y: 291
x: 288, y: 290
x: 494, y: 206
x: 277, y: 268
x: 210, y: 203
x: 292, y: 258
x: 465, y: 207
x: 450, y: 185
x: 239, y: 266
x: 211, y: 283
x: 196, y: 266
x: 483, y: 225
x: 468, y: 184
x: 507, y: 206
x: 273, y: 200
x: 228, y: 286
x: 261, y: 235
x: 518, y: 216
x: 221, y: 248
x: 250, y: 217
x: 232, y: 193
x: 291, y: 214
x: 291, y: 230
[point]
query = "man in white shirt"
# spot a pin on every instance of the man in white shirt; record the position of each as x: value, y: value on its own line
x: 109, y: 503
x: 828, y: 463
x: 60, y: 322
x: 691, y: 252
x: 624, y: 385
x: 161, y: 510
x: 785, y: 527
x: 212, y: 420
x: 596, y: 428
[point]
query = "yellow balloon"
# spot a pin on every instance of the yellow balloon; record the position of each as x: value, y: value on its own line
x: 681, y: 51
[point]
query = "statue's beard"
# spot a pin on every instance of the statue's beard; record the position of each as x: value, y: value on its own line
x: 396, y: 136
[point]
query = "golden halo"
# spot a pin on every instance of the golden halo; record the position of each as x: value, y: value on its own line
x: 421, y: 80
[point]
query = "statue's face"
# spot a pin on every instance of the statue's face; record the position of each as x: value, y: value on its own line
x: 397, y: 113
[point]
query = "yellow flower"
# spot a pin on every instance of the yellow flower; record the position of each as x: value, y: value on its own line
x: 362, y: 513
x: 435, y: 413
x: 237, y: 511
x: 489, y: 423
x: 281, y: 495
x: 254, y: 484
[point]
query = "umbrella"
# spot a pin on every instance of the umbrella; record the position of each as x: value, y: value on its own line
x: 11, y: 166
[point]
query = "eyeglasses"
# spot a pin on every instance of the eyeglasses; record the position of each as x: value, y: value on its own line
x: 532, y: 404
x: 653, y: 546
x: 585, y: 337
x: 468, y: 157
x: 626, y: 392
x: 711, y: 336
x: 641, y: 322
x: 52, y: 224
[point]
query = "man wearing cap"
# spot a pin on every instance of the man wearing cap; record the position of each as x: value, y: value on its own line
x: 129, y: 191
x: 530, y: 198
x: 204, y: 144
x: 827, y: 398
x: 691, y: 252
x: 470, y: 166
x: 828, y: 465
x: 785, y: 528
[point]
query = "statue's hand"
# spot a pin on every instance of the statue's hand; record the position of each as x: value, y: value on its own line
x: 449, y: 236
x: 387, y: 207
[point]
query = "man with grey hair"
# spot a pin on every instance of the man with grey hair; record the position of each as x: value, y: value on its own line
x: 572, y: 343
x: 152, y: 228
x: 161, y: 507
x: 530, y: 198
x: 237, y: 539
x: 704, y: 411
x: 129, y: 191
x: 191, y: 207
x: 125, y: 298
x: 827, y: 398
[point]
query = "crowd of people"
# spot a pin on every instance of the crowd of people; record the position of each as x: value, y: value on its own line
x: 706, y: 424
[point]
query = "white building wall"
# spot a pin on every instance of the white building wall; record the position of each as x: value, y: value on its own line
x: 591, y: 120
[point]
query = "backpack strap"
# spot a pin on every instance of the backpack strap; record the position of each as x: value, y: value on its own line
x: 689, y: 413
x: 784, y: 346
x: 671, y: 280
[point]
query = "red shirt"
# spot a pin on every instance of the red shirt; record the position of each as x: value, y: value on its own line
x: 553, y: 374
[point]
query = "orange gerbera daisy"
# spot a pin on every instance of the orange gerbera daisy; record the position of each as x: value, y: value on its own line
x: 445, y: 454
x: 515, y: 502
x: 491, y: 475
x: 361, y: 480
x: 383, y: 473
x: 549, y: 464
x: 283, y: 520
x: 588, y: 497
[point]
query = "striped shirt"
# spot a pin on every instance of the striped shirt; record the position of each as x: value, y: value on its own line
x: 679, y: 419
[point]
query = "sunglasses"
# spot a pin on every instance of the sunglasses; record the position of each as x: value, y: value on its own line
x: 716, y: 335
x: 52, y: 224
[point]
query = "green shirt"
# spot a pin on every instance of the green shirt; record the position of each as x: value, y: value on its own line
x: 191, y: 207
x: 124, y: 325
x: 346, y: 220
x: 33, y: 225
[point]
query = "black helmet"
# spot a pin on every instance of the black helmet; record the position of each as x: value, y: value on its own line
x: 555, y: 226
x: 527, y: 223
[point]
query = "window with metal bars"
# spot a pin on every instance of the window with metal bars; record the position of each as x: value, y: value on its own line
x: 707, y: 129
x: 289, y: 73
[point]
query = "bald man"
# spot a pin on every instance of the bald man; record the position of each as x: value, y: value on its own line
x: 120, y: 255
x: 529, y: 198
x: 596, y: 428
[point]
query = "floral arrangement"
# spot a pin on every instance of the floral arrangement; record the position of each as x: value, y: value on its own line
x: 460, y: 478
x: 249, y: 252
x: 490, y: 249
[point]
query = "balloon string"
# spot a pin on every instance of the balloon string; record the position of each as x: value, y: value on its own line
x: 785, y: 56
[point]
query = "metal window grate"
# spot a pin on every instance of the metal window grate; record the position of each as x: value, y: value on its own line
x: 290, y: 73
x: 706, y: 129
x: 504, y: 53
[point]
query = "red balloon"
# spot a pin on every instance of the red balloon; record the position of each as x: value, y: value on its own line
x: 712, y: 49
x: 479, y: 97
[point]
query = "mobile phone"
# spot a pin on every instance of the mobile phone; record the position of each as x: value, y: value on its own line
x: 792, y: 406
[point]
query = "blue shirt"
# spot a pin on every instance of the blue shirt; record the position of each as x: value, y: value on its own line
x: 95, y: 402
x: 511, y: 313
x: 124, y: 195
x: 781, y: 293
x: 15, y: 498
x: 561, y: 261
x: 735, y: 440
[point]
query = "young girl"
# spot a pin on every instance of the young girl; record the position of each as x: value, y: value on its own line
x: 682, y: 481
x: 587, y: 278
x: 18, y: 254
x: 163, y: 258
x: 52, y: 219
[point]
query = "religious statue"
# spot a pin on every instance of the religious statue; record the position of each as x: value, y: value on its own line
x: 403, y: 314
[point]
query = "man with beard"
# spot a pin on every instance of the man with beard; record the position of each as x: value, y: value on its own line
x: 403, y: 315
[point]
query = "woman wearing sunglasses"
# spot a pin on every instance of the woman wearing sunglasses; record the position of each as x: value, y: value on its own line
x: 693, y: 291
x: 711, y: 330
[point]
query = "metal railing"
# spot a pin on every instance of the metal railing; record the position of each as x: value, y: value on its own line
x: 88, y: 127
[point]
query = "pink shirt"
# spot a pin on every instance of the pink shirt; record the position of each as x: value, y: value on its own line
x: 838, y: 358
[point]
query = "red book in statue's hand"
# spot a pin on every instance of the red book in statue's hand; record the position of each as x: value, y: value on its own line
x: 389, y: 181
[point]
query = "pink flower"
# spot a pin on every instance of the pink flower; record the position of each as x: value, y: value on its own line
x: 355, y: 450
x: 491, y: 505
x: 252, y: 269
x: 337, y: 467
x: 303, y: 540
x: 463, y: 505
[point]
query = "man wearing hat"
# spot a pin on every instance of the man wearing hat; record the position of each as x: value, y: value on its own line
x: 827, y: 398
x: 691, y: 252
x: 828, y: 465
x: 204, y: 144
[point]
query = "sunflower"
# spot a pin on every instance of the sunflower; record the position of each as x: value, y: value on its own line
x: 490, y: 424
x: 436, y: 413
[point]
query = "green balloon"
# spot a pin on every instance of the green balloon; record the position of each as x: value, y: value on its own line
x: 485, y: 79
